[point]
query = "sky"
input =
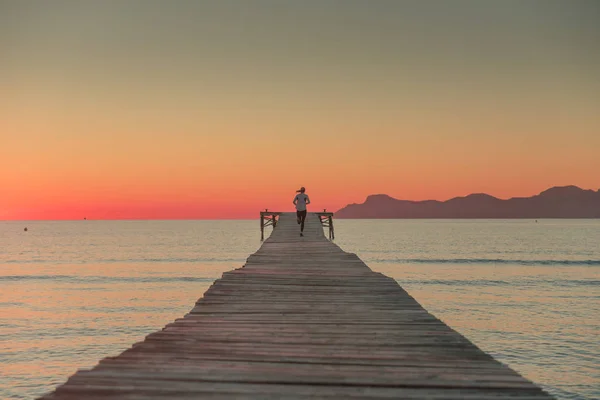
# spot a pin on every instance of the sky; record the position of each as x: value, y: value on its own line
x: 219, y: 109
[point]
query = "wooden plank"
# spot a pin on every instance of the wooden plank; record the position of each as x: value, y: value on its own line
x: 302, y: 319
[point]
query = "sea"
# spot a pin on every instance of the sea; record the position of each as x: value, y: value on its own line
x: 74, y: 292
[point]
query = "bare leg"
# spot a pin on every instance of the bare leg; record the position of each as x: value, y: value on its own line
x: 303, y: 217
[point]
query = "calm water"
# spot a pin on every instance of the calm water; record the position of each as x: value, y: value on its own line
x: 72, y: 293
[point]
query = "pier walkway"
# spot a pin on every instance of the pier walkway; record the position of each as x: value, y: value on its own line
x: 302, y: 319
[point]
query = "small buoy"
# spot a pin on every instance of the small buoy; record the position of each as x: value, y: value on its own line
x: 84, y: 218
x: 25, y: 229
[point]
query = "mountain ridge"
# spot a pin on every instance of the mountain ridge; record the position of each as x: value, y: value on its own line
x: 555, y: 202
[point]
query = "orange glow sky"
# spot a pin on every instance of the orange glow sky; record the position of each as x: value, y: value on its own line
x: 146, y: 109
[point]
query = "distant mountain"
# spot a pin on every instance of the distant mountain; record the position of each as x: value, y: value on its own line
x: 556, y: 202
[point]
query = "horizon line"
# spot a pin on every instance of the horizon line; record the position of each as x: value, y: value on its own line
x: 252, y: 219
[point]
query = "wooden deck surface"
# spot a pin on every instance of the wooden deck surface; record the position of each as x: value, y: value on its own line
x: 302, y: 319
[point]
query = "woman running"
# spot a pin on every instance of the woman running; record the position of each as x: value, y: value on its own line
x: 301, y: 201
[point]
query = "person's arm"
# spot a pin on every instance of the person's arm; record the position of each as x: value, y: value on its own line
x: 295, y: 200
x: 307, y: 200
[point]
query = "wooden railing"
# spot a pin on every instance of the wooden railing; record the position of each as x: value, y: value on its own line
x: 269, y: 218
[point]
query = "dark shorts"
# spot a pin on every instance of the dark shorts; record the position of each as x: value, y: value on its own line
x: 301, y: 214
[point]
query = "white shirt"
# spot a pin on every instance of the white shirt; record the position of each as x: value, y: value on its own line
x: 301, y: 199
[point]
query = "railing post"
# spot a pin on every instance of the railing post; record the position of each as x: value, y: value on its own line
x: 262, y: 227
x: 331, y: 232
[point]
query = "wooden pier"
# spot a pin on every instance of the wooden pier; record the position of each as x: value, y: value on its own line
x: 302, y: 319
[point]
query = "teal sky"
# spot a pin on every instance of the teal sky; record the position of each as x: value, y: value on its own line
x: 305, y: 40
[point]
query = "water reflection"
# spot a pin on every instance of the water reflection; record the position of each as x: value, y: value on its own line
x: 73, y: 293
x: 527, y: 317
x: 51, y: 329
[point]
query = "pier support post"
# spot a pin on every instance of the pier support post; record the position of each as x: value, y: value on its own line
x: 326, y: 219
x: 267, y: 218
x: 262, y: 227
